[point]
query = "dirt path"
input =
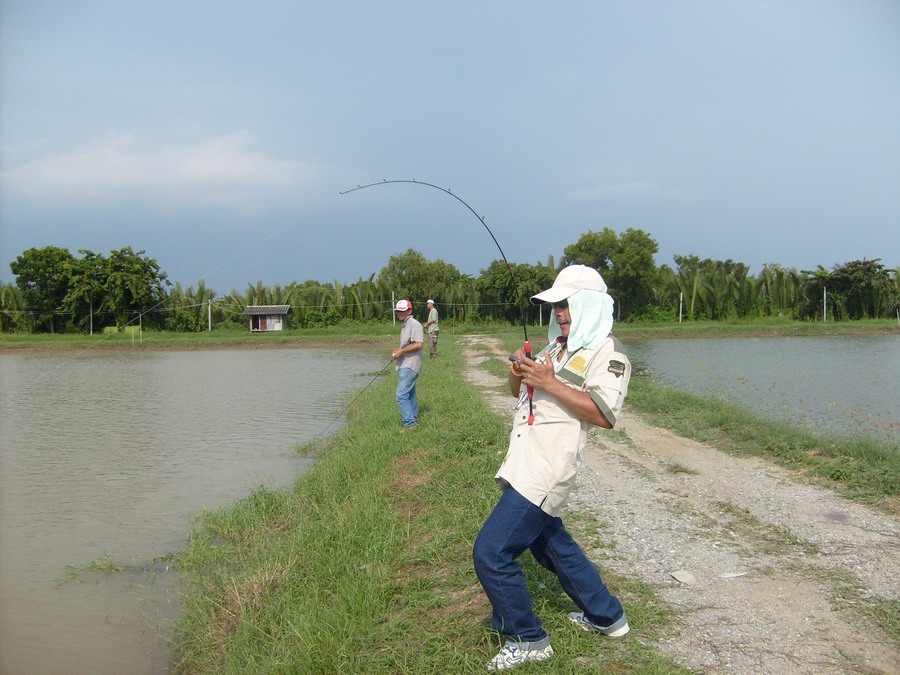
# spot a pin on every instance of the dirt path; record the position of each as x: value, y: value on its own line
x: 762, y: 572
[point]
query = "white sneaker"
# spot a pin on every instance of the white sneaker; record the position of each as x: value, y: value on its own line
x: 579, y: 620
x: 511, y: 656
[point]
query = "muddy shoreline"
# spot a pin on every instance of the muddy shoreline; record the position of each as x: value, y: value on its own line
x: 149, y: 344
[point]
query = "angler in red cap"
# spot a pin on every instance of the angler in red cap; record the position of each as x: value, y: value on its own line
x: 579, y: 380
x: 408, y: 357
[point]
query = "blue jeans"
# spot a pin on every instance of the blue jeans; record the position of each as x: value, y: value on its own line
x: 514, y: 525
x: 406, y: 396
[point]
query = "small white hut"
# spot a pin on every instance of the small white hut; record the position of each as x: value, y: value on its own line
x: 264, y: 318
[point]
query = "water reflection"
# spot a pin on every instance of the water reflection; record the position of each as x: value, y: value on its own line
x: 106, y: 456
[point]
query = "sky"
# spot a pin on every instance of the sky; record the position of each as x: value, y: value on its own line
x: 217, y: 136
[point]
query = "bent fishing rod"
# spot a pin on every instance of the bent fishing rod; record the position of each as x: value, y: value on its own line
x: 512, y: 276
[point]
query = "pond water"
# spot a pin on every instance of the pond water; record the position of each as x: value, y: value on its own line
x: 106, y: 457
x: 846, y: 385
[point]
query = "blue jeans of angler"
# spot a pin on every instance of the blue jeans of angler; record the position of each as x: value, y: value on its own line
x: 514, y: 525
x: 406, y: 396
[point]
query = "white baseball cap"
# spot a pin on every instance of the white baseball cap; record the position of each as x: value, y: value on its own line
x: 571, y: 279
x: 429, y: 302
x: 403, y: 305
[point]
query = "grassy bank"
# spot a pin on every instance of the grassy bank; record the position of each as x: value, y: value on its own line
x: 769, y: 327
x: 232, y: 338
x: 863, y: 468
x: 362, y: 333
x: 365, y: 567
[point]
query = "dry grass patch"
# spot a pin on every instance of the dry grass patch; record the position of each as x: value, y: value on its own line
x: 242, y: 596
x: 406, y: 479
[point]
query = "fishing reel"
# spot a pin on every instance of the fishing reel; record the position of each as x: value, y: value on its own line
x: 526, y: 349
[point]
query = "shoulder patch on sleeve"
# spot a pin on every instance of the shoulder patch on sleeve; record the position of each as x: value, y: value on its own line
x: 617, y: 368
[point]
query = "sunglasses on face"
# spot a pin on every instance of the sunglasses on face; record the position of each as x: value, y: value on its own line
x: 562, y: 304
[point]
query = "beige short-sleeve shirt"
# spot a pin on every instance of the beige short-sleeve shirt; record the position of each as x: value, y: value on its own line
x: 544, y: 458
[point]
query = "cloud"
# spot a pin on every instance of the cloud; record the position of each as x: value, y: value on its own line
x: 219, y: 172
x: 643, y: 189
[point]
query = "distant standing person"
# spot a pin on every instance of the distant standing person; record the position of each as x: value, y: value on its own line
x: 432, y: 326
x: 409, y: 363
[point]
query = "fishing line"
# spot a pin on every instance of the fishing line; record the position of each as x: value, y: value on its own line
x: 413, y: 181
x: 527, y: 346
x: 347, y: 407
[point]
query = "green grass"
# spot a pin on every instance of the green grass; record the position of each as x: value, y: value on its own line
x: 678, y: 467
x: 151, y: 339
x: 365, y: 567
x: 350, y: 333
x: 102, y: 564
x: 863, y: 468
x: 764, y: 327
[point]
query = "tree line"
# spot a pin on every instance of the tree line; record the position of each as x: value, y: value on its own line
x: 56, y: 291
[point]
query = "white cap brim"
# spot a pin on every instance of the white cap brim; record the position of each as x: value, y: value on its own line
x: 553, y: 294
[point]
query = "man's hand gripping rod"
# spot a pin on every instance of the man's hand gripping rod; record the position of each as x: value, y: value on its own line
x: 526, y: 348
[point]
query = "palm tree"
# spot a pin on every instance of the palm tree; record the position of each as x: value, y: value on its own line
x: 12, y: 306
x: 189, y: 310
x: 746, y: 291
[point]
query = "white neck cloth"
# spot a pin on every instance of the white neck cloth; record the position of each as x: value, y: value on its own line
x: 591, y: 314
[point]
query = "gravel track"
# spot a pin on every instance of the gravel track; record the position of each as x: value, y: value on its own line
x: 763, y: 572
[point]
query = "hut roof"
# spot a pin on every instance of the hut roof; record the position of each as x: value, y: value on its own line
x: 257, y: 310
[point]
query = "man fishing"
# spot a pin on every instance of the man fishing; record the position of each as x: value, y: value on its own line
x: 409, y: 363
x: 579, y: 380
